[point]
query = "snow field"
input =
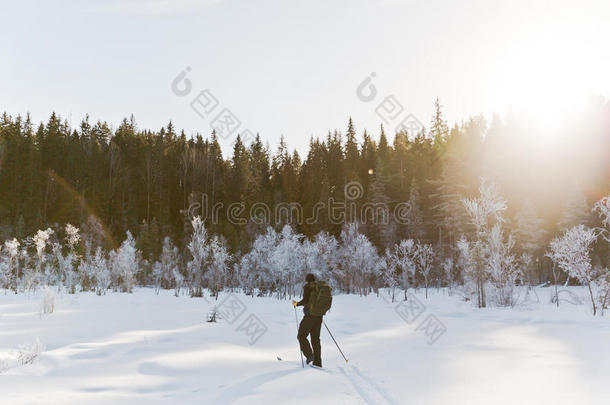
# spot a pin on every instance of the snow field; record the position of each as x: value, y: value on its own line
x: 120, y: 348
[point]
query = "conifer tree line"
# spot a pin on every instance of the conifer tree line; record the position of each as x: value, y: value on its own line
x: 487, y: 201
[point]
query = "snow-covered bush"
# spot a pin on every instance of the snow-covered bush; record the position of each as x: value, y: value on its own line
x: 165, y: 270
x: 410, y: 259
x: 571, y: 252
x: 483, y: 213
x: 124, y: 264
x: 602, y: 207
x: 9, y: 264
x: 388, y: 273
x: 448, y: 266
x: 95, y: 272
x: 358, y: 260
x: 321, y: 257
x: 199, y: 252
x: 502, y: 267
x: 424, y: 259
x: 28, y: 353
x: 402, y: 256
x: 217, y: 269
x: 72, y: 237
x: 209, y: 261
x: 287, y: 262
x: 40, y: 241
x: 254, y: 267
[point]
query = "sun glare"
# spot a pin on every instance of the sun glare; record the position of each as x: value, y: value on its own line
x: 548, y: 79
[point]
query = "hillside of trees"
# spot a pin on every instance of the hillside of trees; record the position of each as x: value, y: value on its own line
x: 459, y: 182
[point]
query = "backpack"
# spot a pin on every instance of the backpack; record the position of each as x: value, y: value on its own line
x: 320, y: 299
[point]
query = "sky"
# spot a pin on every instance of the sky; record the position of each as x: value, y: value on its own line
x: 299, y: 68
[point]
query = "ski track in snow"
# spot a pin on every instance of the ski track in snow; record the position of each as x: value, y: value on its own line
x: 247, y: 386
x: 368, y: 389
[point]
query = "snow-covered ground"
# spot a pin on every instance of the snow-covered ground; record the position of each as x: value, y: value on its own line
x: 121, y: 348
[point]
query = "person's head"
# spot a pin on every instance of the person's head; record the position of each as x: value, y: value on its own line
x: 310, y: 277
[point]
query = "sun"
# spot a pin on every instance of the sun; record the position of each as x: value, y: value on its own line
x: 547, y: 79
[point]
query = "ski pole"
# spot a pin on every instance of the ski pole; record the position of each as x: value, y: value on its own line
x: 331, y: 335
x: 296, y: 319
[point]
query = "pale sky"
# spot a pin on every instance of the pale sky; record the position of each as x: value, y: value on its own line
x: 293, y: 67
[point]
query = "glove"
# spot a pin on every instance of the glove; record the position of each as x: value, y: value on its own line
x: 294, y: 303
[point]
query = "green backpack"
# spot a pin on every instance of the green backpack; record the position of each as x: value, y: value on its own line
x: 320, y: 299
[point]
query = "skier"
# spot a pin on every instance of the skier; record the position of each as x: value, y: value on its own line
x: 316, y: 301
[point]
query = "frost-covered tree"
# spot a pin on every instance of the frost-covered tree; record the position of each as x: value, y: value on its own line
x: 602, y: 207
x: 124, y: 264
x: 254, y: 267
x: 40, y: 241
x: 411, y: 258
x: 321, y: 257
x: 287, y: 262
x: 218, y: 266
x: 389, y: 273
x: 69, y: 263
x: 424, y: 259
x: 501, y: 266
x: 358, y: 259
x: 95, y: 271
x: 465, y: 260
x: 199, y: 252
x: 9, y: 264
x: 35, y: 266
x: 571, y: 252
x: 447, y: 265
x: 482, y: 212
x: 403, y: 256
x: 72, y: 237
x: 166, y: 272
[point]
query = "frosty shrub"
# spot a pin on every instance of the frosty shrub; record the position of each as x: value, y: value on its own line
x: 40, y: 241
x: 9, y: 264
x: 68, y: 263
x: 287, y: 262
x: 402, y: 256
x: 447, y: 266
x: 320, y: 257
x: 571, y: 252
x: 47, y: 304
x: 166, y: 269
x: 502, y: 267
x: 199, y: 252
x: 218, y: 265
x: 72, y: 236
x: 424, y: 259
x: 484, y: 254
x: 28, y: 353
x: 124, y: 264
x: 95, y: 273
x: 254, y: 267
x: 358, y: 258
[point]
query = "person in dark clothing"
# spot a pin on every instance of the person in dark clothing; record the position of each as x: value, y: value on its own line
x: 310, y: 325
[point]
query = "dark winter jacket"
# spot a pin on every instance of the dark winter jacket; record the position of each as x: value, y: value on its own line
x: 305, y: 301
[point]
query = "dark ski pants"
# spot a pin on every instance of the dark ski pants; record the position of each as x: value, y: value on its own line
x: 311, y: 325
